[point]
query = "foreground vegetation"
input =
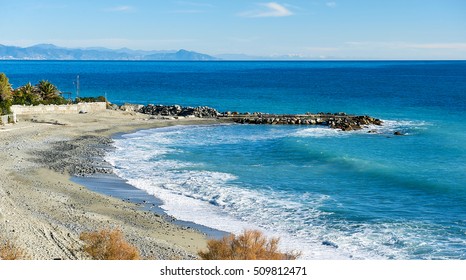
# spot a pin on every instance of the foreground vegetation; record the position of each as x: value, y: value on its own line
x: 108, y: 244
x: 250, y: 245
x: 10, y: 251
x: 6, y: 95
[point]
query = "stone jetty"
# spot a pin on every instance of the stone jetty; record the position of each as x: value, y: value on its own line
x: 340, y: 120
x: 177, y: 110
x: 333, y: 120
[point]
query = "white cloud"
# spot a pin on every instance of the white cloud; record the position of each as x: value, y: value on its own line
x: 120, y: 9
x: 271, y: 9
x: 331, y: 4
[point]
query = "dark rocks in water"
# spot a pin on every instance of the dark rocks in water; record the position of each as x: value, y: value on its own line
x: 398, y: 133
x: 338, y: 120
x: 178, y: 111
x: 330, y: 244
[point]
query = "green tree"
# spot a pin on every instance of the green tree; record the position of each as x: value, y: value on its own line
x: 6, y: 95
x: 49, y: 93
x: 47, y: 90
x: 42, y: 93
x: 26, y: 95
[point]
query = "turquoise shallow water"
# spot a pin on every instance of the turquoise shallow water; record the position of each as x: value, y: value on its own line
x: 328, y: 193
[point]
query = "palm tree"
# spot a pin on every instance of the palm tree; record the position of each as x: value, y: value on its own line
x: 47, y: 90
x: 26, y: 95
x: 28, y: 88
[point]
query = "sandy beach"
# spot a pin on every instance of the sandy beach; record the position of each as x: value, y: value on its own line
x: 44, y: 212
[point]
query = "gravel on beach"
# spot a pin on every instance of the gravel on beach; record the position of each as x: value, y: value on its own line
x: 44, y: 213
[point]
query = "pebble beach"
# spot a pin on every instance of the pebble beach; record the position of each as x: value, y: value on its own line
x: 43, y: 212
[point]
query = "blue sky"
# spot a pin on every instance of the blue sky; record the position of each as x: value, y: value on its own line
x: 345, y: 29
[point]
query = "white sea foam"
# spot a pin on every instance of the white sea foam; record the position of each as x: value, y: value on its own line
x: 212, y: 198
x: 404, y: 126
x: 233, y: 209
x: 319, y: 132
x: 388, y: 127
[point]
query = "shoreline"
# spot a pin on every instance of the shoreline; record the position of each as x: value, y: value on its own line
x: 42, y: 209
x: 114, y: 186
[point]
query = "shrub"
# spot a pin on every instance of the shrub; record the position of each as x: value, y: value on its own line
x: 9, y: 251
x: 250, y: 245
x: 5, y: 94
x: 108, y: 245
x: 91, y: 99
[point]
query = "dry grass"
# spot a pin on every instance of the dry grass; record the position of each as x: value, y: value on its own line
x: 108, y: 244
x: 9, y: 251
x: 250, y: 245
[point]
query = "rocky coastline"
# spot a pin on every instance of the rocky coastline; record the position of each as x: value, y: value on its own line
x: 339, y: 120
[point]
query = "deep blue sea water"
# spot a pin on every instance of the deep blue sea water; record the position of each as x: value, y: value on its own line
x: 328, y: 193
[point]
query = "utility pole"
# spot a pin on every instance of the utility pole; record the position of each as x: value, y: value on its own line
x: 77, y: 87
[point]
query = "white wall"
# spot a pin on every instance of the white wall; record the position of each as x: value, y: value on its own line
x: 59, y: 109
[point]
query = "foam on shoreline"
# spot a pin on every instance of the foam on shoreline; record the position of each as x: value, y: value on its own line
x: 174, y: 164
x: 114, y: 186
x: 205, y: 197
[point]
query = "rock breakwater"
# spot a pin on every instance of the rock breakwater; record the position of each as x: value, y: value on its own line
x: 178, y: 111
x: 336, y: 121
x: 340, y: 120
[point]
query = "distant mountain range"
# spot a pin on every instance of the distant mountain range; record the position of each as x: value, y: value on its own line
x: 52, y: 52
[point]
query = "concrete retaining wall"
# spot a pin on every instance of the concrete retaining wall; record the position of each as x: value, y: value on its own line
x: 59, y: 109
x: 5, y: 119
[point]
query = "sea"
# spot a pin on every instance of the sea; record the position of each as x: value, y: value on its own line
x: 327, y: 193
